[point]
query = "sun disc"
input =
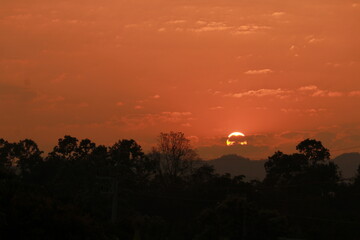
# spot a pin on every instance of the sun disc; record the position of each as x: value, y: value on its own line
x: 236, y: 134
x: 230, y: 141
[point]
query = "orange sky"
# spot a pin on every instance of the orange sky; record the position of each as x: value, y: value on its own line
x: 277, y: 70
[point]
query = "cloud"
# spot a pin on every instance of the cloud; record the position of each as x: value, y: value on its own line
x: 138, y: 107
x: 326, y: 93
x: 200, y: 22
x: 175, y: 116
x: 331, y: 64
x: 132, y: 25
x: 261, y: 93
x: 354, y: 93
x: 334, y: 94
x: 312, y: 39
x: 59, y: 78
x: 222, y: 26
x: 46, y: 102
x: 259, y: 71
x: 212, y: 26
x: 277, y: 14
x: 177, y: 113
x: 308, y: 88
x: 217, y: 108
x: 119, y: 104
x: 314, y: 91
x: 249, y: 29
x: 307, y: 111
x: 179, y: 21
x: 157, y: 96
x: 232, y: 80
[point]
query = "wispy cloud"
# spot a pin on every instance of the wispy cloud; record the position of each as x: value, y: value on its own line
x: 260, y: 93
x: 308, y: 88
x: 176, y: 114
x: 314, y: 91
x: 178, y: 21
x: 217, y: 108
x: 212, y: 26
x: 249, y: 29
x: 312, y: 39
x: 326, y: 93
x: 354, y: 93
x: 259, y: 71
x: 310, y: 111
x: 309, y: 91
x: 277, y: 14
x: 204, y: 26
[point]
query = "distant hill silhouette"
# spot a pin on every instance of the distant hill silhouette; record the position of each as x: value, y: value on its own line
x: 237, y: 165
x: 254, y: 169
x: 348, y: 163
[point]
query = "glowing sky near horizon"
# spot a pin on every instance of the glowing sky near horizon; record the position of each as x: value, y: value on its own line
x: 277, y: 70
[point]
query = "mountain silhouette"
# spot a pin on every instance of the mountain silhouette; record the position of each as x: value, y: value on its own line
x: 254, y: 169
x: 238, y: 165
x: 348, y: 163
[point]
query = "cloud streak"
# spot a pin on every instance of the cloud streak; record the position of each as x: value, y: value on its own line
x: 261, y: 93
x: 309, y: 91
x: 259, y: 71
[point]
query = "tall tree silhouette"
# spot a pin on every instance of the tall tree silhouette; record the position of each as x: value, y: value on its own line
x: 6, y: 152
x: 128, y: 158
x: 314, y: 151
x: 301, y: 182
x: 311, y: 167
x: 174, y: 156
x: 67, y: 149
x: 283, y: 168
x: 22, y: 158
x: 29, y: 158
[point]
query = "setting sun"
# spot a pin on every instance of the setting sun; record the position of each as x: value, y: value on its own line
x: 236, y: 138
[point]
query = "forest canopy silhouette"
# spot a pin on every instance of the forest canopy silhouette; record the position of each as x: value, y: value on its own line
x: 81, y: 190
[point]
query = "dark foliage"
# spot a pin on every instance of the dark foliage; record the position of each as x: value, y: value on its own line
x: 84, y: 191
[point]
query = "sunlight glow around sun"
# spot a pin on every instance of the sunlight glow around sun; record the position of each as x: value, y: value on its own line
x: 236, y: 138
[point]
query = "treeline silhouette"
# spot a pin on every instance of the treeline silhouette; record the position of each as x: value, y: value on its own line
x: 81, y: 190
